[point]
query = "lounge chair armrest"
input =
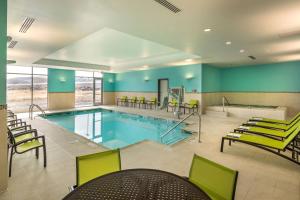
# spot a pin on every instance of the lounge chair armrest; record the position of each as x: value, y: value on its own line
x: 30, y: 139
x: 17, y: 123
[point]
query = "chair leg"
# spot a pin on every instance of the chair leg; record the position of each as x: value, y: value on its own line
x: 37, y: 153
x: 222, y: 145
x: 10, y: 161
x: 45, y: 153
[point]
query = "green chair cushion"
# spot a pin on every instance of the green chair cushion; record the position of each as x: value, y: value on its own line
x: 98, y: 164
x: 29, y: 145
x: 217, y: 181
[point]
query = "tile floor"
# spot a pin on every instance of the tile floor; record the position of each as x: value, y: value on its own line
x: 261, y: 175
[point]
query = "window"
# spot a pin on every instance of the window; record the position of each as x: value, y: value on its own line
x: 25, y: 86
x: 88, y: 88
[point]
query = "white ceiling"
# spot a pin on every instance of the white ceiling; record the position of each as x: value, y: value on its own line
x: 126, y: 34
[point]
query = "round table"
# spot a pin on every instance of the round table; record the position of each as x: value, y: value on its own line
x: 136, y: 184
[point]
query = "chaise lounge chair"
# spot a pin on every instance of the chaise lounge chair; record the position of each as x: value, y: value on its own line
x: 132, y: 101
x: 275, y: 121
x: 269, y: 144
x: 272, y: 133
x: 272, y: 125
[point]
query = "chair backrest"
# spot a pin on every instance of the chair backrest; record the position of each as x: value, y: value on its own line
x: 174, y: 101
x: 142, y: 99
x: 153, y: 99
x: 91, y: 166
x: 124, y: 98
x: 193, y: 102
x: 11, y: 137
x: 216, y: 180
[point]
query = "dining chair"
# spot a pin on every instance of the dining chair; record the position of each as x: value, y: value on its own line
x: 94, y: 165
x: 217, y: 181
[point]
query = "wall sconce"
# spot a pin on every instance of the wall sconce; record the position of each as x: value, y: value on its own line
x: 189, y: 76
x: 146, y: 78
x: 62, y: 79
x: 110, y: 81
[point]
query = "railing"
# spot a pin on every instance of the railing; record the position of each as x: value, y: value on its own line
x: 31, y: 107
x: 224, y: 101
x: 171, y: 129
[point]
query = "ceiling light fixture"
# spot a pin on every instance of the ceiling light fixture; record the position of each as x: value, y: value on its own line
x: 242, y: 50
x: 207, y: 30
x: 228, y: 43
x: 188, y: 60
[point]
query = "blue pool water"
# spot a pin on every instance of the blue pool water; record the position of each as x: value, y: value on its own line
x: 116, y: 130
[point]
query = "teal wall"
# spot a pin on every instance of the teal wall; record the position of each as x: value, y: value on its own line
x: 3, y: 40
x: 211, y: 79
x: 135, y: 81
x: 109, y: 81
x: 279, y: 77
x: 60, y: 80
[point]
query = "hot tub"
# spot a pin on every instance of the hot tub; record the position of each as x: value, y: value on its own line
x: 248, y: 111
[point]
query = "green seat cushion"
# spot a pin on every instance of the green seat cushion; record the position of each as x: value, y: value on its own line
x: 271, y: 132
x: 269, y: 125
x: 29, y: 145
x: 277, y: 120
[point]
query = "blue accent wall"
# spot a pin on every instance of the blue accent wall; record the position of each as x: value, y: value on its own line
x: 109, y: 81
x: 187, y: 76
x: 3, y: 47
x: 60, y: 80
x: 279, y: 77
x: 211, y: 79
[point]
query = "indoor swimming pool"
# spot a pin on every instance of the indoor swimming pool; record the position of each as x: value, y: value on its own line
x: 115, y: 129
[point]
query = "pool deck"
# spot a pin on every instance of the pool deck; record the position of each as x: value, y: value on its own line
x: 262, y: 175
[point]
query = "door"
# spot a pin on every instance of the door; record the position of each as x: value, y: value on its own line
x: 163, y: 86
x: 97, y: 91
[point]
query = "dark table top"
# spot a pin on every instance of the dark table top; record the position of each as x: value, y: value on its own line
x: 136, y: 184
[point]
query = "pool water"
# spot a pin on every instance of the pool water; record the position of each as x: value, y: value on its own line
x: 115, y: 129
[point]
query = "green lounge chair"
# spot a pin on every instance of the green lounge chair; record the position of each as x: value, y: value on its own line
x: 132, y: 101
x: 217, y: 181
x: 272, y: 125
x: 152, y: 103
x: 173, y: 104
x: 122, y: 101
x: 272, y: 133
x: 141, y: 101
x: 25, y: 142
x: 94, y: 165
x: 269, y: 144
x: 191, y: 106
x: 275, y: 121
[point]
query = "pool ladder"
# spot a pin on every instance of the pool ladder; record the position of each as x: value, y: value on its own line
x: 180, y: 122
x: 31, y: 107
x: 224, y: 101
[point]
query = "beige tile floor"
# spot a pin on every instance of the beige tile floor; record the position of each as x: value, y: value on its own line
x: 261, y: 175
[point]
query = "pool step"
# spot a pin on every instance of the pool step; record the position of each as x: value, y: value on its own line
x: 213, y: 113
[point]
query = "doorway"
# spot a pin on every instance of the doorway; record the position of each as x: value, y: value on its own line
x: 163, y: 86
x: 98, y: 83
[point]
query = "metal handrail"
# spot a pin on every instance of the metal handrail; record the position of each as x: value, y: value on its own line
x: 31, y: 110
x: 199, y: 125
x: 224, y: 99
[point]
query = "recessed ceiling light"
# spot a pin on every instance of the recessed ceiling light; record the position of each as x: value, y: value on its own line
x: 228, y: 43
x: 242, y: 50
x: 146, y: 66
x: 188, y: 60
x: 207, y: 30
